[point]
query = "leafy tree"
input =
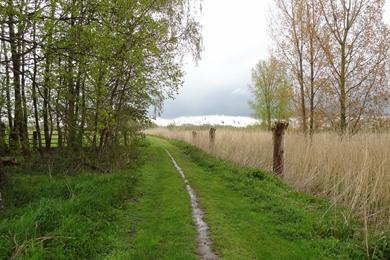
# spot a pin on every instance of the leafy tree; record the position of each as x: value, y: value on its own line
x: 82, y: 67
x: 271, y: 90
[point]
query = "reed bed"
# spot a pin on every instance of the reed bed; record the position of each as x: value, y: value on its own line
x: 352, y: 171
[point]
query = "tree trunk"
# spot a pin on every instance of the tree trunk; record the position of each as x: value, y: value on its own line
x: 34, y: 95
x: 312, y: 82
x: 58, y: 123
x: 342, y: 97
x: 269, y: 123
x: 15, y: 57
x: 71, y: 126
x: 83, y: 114
x: 302, y: 96
x: 7, y: 91
x: 45, y: 111
x: 24, y: 102
x: 2, y: 138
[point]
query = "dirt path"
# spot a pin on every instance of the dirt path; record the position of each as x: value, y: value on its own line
x: 204, y: 241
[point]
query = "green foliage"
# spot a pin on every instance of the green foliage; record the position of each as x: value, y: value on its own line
x: 95, y: 66
x: 272, y: 91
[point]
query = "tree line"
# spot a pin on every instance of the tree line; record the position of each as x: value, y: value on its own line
x: 336, y: 55
x: 88, y: 70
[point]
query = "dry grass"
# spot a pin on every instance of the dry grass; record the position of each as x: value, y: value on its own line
x: 353, y: 171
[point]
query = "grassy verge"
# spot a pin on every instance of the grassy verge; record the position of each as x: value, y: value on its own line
x: 252, y: 215
x: 63, y: 217
x: 137, y: 213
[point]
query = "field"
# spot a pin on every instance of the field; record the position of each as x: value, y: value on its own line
x: 353, y: 171
x: 143, y: 212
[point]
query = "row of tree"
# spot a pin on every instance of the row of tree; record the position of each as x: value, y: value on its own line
x: 336, y: 56
x: 88, y: 70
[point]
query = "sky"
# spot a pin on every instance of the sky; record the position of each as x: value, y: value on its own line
x: 236, y: 37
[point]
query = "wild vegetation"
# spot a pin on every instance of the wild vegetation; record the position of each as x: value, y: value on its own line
x: 79, y: 179
x: 76, y: 81
x: 351, y: 171
x: 81, y: 75
x: 333, y: 56
x: 143, y: 212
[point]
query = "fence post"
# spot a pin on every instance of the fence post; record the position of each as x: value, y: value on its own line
x: 278, y: 132
x: 212, y: 137
x: 194, y: 136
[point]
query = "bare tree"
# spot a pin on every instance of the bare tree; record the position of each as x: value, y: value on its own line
x: 288, y: 32
x: 337, y: 49
x: 356, y: 42
x: 295, y: 31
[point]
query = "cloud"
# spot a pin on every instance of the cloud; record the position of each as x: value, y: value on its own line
x: 236, y: 38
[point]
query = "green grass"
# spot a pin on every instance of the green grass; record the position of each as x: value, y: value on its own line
x: 63, y: 218
x: 132, y: 214
x: 253, y: 215
x: 144, y: 212
x: 161, y: 220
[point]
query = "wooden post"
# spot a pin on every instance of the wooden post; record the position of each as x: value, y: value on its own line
x: 212, y: 137
x: 194, y: 136
x: 278, y: 132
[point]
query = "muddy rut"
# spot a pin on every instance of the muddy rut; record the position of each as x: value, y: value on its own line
x: 204, y: 247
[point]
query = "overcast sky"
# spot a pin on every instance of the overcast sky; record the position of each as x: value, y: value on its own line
x: 236, y: 37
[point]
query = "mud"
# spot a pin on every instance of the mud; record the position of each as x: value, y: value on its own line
x: 204, y: 241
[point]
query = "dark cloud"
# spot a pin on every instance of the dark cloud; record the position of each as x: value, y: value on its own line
x: 232, y: 48
x: 213, y: 102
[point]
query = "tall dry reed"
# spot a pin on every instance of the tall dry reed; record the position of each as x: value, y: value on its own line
x: 352, y: 171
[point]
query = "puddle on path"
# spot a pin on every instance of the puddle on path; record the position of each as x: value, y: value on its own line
x: 204, y: 241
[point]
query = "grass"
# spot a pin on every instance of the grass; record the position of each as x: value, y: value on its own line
x: 161, y: 218
x: 353, y: 171
x: 252, y: 215
x: 137, y: 213
x: 143, y: 212
x: 63, y: 218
